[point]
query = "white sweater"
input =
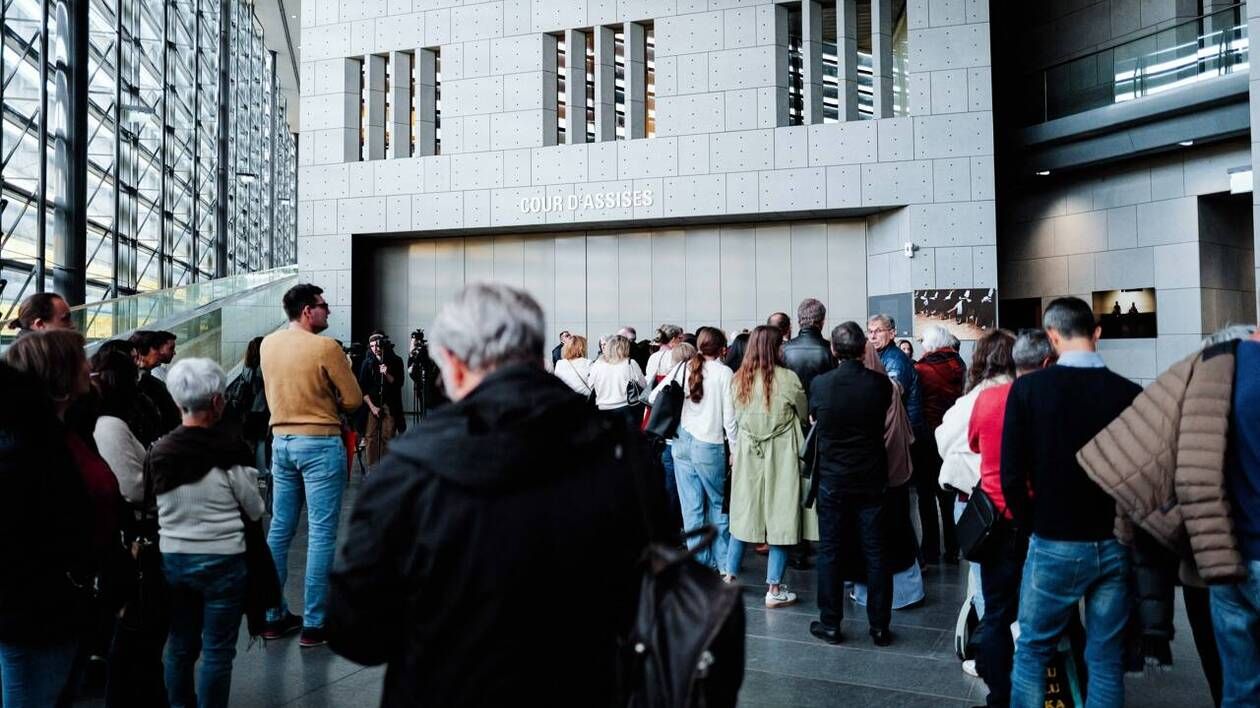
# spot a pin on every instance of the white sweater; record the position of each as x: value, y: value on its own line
x: 205, y: 516
x: 609, y: 382
x: 659, y: 364
x: 960, y: 467
x: 712, y: 420
x: 123, y: 453
x: 576, y: 373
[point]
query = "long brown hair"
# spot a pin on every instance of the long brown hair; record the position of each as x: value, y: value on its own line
x: 709, y: 343
x: 761, y: 356
x: 992, y: 357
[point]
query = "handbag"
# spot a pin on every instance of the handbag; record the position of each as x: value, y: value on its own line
x: 665, y: 415
x: 634, y: 389
x: 977, y: 526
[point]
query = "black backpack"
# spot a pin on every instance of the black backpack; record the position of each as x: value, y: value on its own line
x: 686, y: 646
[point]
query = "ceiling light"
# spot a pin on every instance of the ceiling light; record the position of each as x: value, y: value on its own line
x: 1186, y: 143
x: 1043, y: 173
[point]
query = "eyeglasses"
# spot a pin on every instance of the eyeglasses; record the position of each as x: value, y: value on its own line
x: 877, y: 331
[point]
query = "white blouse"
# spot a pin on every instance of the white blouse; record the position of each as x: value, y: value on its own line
x: 609, y: 382
x: 576, y: 374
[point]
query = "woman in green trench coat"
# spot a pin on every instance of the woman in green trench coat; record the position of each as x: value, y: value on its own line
x: 766, y: 483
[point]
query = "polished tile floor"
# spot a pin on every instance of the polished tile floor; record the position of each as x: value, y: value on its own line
x: 785, y: 666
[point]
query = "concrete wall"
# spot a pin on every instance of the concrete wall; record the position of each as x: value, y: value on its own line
x: 594, y: 282
x: 721, y: 149
x: 1142, y: 224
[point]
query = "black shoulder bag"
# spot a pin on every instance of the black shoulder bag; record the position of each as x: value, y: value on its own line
x: 666, y: 413
x: 977, y: 526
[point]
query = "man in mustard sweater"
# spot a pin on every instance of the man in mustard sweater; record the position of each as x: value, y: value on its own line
x: 308, y: 383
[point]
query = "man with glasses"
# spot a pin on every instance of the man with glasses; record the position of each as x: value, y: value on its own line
x: 881, y: 332
x: 309, y: 383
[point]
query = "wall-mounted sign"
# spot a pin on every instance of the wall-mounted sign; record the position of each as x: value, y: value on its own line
x: 594, y: 201
x: 1126, y: 314
x: 966, y: 312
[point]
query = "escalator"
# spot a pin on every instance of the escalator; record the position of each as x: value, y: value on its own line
x: 215, y: 319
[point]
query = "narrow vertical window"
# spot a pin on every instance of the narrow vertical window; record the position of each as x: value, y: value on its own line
x: 426, y: 102
x: 561, y: 100
x: 362, y: 109
x: 619, y: 77
x: 389, y: 87
x: 796, y: 67
x: 831, y: 65
x: 589, y: 67
x: 411, y: 93
x: 649, y: 94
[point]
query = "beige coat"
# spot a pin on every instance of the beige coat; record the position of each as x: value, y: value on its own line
x: 1163, y: 461
x: 766, y: 486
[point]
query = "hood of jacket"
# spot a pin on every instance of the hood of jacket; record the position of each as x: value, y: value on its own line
x: 185, y: 455
x: 517, y: 428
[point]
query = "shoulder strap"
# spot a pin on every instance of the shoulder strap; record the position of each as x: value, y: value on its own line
x: 585, y: 384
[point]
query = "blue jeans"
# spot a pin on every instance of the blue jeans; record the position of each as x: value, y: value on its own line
x: 207, y: 600
x: 700, y: 472
x: 1057, y: 575
x: 775, y: 566
x: 310, y: 468
x: 1236, y: 620
x: 35, y: 676
x: 973, y: 568
x: 671, y: 485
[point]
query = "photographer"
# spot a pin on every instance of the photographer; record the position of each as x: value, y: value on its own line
x: 424, y: 375
x: 381, y: 378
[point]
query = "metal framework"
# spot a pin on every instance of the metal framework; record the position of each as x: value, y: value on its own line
x: 143, y: 147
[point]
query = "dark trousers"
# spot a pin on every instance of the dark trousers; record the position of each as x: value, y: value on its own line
x: 936, y: 506
x: 1000, y: 577
x: 842, y: 514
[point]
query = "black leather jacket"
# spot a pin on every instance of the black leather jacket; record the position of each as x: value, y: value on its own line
x: 808, y: 355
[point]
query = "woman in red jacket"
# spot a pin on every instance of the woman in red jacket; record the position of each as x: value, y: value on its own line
x: 941, y: 375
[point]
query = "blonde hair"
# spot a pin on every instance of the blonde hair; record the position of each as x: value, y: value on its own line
x: 681, y: 352
x: 617, y: 350
x: 575, y: 348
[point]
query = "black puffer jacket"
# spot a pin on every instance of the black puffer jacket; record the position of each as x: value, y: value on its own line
x: 492, y: 558
x: 808, y: 355
x: 45, y: 521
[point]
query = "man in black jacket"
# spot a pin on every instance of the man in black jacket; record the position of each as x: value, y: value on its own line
x: 456, y: 565
x: 849, y: 406
x: 153, y: 349
x: 808, y: 354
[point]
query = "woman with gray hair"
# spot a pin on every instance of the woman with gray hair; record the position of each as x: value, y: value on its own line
x: 207, y: 489
x: 615, y: 377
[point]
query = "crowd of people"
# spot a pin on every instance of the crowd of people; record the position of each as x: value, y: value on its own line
x: 133, y: 519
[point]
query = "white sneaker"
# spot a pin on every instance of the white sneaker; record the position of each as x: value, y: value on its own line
x: 782, y: 598
x: 969, y: 667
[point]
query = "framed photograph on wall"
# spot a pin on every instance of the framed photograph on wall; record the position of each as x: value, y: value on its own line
x: 966, y: 312
x: 1126, y: 314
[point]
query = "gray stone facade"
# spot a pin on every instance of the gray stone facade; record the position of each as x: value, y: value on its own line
x: 722, y: 152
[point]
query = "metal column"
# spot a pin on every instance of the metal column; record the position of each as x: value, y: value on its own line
x: 882, y: 56
x: 195, y: 275
x: 812, y: 61
x: 70, y: 150
x: 221, y: 203
x: 118, y: 128
x: 271, y: 166
x: 164, y: 231
x: 41, y: 201
x: 847, y: 59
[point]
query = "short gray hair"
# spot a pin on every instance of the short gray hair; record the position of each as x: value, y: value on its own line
x: 1228, y: 333
x: 667, y: 333
x: 811, y: 313
x: 194, y: 383
x: 488, y: 325
x: 1031, y: 350
x: 885, y: 320
x: 936, y: 337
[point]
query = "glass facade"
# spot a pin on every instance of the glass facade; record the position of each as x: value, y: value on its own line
x: 185, y: 182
